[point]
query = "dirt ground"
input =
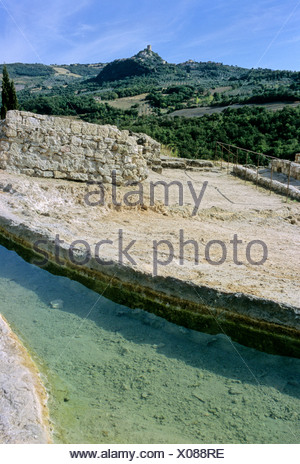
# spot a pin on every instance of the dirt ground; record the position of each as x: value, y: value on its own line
x: 231, y: 215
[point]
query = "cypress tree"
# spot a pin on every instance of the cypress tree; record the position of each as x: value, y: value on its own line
x: 9, y: 95
x: 13, y: 100
x: 5, y: 92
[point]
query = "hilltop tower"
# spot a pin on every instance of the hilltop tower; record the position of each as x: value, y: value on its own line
x: 149, y: 48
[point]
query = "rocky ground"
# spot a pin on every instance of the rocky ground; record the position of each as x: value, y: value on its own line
x: 231, y: 210
x: 23, y: 411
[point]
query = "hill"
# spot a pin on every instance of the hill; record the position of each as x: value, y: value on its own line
x: 155, y: 69
x: 144, y: 93
x: 147, y: 71
x: 143, y: 63
x: 40, y: 78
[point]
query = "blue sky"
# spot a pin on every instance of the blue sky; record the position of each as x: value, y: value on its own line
x: 258, y: 33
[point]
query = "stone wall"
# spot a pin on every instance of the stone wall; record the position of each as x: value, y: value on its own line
x: 250, y: 174
x: 186, y: 164
x: 62, y: 148
x: 285, y: 166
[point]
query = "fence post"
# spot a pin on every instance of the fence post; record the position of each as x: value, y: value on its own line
x: 222, y: 157
x: 246, y: 166
x: 228, y: 161
x: 271, y: 177
x: 288, y: 183
x: 257, y: 170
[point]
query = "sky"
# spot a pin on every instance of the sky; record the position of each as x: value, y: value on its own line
x: 247, y: 33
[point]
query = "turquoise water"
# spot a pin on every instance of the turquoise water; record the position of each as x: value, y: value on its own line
x: 116, y: 375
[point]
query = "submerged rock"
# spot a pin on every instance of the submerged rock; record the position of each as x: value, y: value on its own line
x: 57, y: 304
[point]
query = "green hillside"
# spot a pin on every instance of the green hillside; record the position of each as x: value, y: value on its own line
x: 144, y: 63
x: 187, y: 106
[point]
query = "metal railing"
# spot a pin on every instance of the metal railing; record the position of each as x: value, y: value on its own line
x: 231, y: 155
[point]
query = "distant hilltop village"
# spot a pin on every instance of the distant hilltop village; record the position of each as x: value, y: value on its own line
x: 148, y: 51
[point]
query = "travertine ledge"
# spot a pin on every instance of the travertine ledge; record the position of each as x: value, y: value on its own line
x: 254, y: 305
x: 23, y: 408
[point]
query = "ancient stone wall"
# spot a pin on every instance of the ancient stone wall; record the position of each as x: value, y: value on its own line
x: 62, y: 148
x: 286, y: 167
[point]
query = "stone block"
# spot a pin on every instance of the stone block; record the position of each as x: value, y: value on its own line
x: 14, y: 117
x: 40, y: 173
x: 76, y: 141
x: 65, y: 149
x: 28, y: 172
x: 10, y: 132
x: 4, y: 146
x: 59, y: 175
x: 76, y: 128
x: 90, y: 129
x: 74, y: 175
x: 108, y: 180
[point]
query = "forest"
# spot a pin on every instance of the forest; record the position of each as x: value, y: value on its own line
x: 94, y: 94
x: 272, y: 133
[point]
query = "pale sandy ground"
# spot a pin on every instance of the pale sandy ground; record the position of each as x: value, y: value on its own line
x: 229, y: 206
x: 23, y: 410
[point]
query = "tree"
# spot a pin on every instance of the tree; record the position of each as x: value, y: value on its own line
x: 9, y: 95
x: 5, y: 92
x: 13, y: 100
